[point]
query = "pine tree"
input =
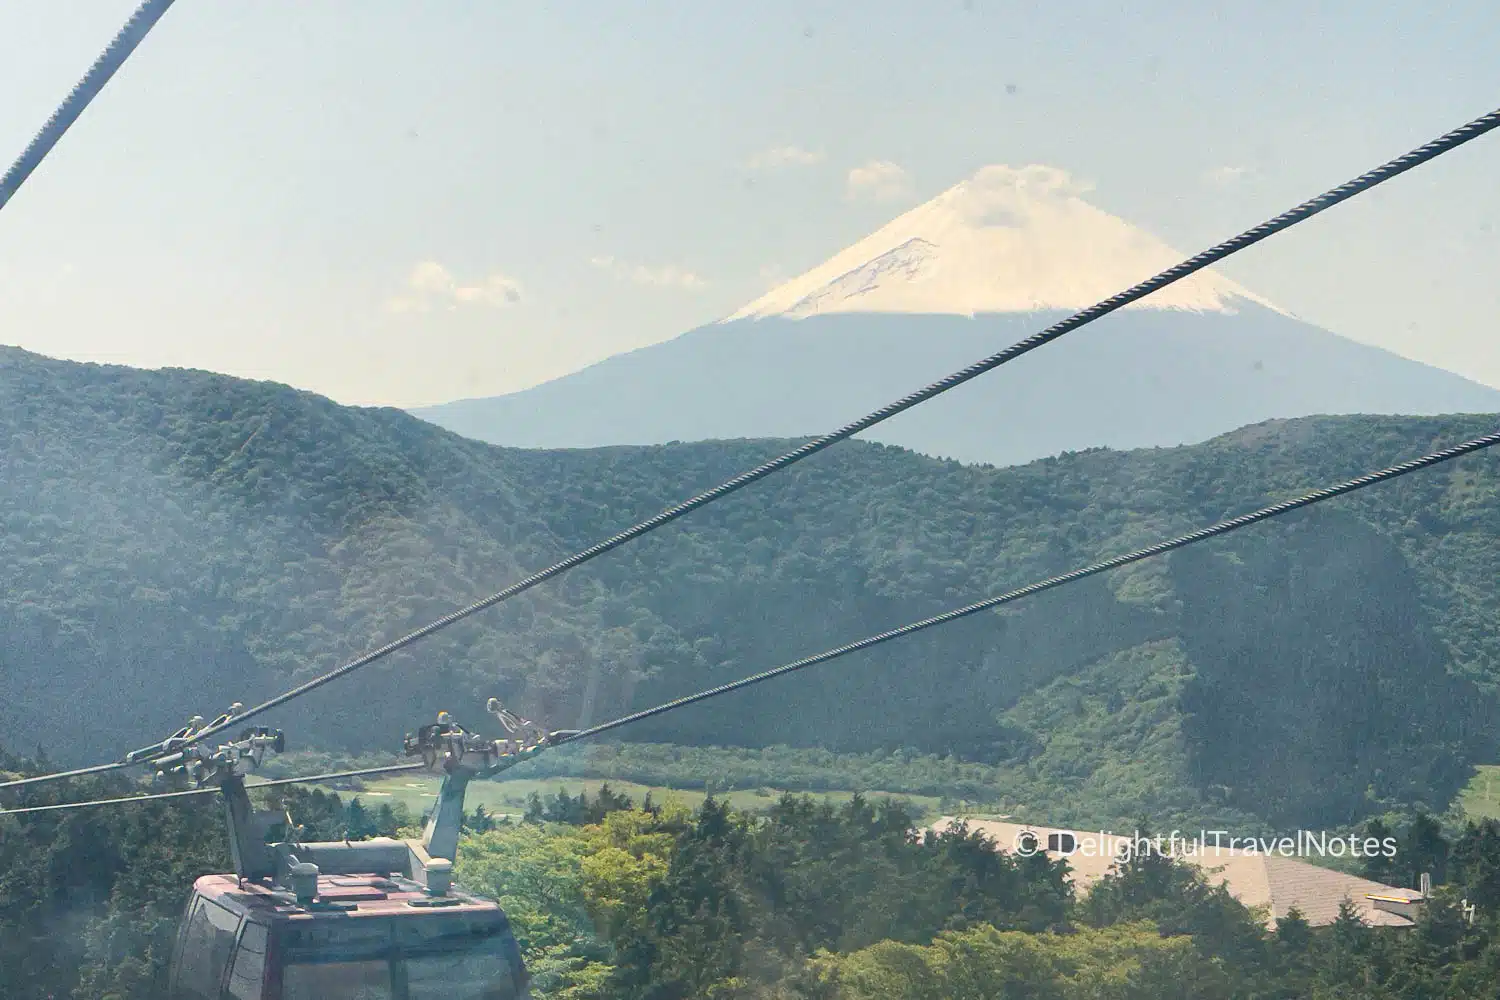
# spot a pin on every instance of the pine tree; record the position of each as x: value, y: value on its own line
x: 358, y: 824
x: 385, y: 821
x: 1341, y: 960
x: 1293, y: 932
x: 1476, y: 864
x: 536, y: 811
x: 482, y: 821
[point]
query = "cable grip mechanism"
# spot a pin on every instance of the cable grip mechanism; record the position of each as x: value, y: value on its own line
x: 178, y: 761
x: 445, y: 746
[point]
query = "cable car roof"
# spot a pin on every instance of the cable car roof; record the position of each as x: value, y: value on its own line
x: 340, y: 897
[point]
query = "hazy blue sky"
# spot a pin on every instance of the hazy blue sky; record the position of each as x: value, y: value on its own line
x: 398, y: 202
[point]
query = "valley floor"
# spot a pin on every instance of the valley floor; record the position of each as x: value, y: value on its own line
x: 509, y: 798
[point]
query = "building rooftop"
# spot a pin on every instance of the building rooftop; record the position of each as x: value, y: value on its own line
x: 1255, y: 878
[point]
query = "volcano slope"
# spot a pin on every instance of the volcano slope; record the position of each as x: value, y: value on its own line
x: 986, y: 263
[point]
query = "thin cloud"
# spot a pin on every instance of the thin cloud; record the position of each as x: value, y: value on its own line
x: 778, y: 157
x: 431, y: 286
x: 1035, y: 179
x: 880, y: 180
x: 1227, y: 176
x: 663, y: 276
x: 771, y: 275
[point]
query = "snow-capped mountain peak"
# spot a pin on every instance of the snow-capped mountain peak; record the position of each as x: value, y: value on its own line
x: 1008, y: 239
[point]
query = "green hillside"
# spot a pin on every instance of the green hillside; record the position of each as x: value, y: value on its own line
x: 176, y: 540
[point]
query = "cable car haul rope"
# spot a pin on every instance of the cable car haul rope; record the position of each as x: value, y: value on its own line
x: 209, y: 790
x: 109, y: 61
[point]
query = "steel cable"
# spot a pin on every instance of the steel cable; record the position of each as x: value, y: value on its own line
x: 76, y: 773
x: 62, y: 806
x: 104, y: 67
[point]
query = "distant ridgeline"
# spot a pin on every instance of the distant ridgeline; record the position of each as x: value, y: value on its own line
x: 990, y: 261
x: 175, y: 541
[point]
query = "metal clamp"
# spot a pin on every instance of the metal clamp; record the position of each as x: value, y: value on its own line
x: 179, y: 739
x: 244, y: 754
x: 524, y: 732
x: 178, y: 762
x: 445, y: 746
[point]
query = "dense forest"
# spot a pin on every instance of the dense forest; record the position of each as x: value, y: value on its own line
x: 175, y: 541
x: 798, y: 901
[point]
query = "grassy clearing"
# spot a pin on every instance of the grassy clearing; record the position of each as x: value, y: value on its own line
x: 1480, y: 798
x: 509, y: 797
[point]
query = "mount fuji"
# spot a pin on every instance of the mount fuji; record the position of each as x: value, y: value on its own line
x: 984, y: 264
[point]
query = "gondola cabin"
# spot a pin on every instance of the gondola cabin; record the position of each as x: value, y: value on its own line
x: 374, y: 919
x: 361, y: 938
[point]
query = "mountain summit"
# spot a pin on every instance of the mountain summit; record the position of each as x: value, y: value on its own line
x: 984, y: 264
x: 1006, y: 240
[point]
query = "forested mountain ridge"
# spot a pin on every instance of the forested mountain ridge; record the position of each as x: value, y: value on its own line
x: 176, y: 540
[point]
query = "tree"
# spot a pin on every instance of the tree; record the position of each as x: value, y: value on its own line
x: 1293, y: 932
x: 536, y: 810
x: 358, y: 822
x: 481, y: 822
x: 694, y: 936
x: 1424, y: 850
x: 1293, y: 944
x: 1476, y: 864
